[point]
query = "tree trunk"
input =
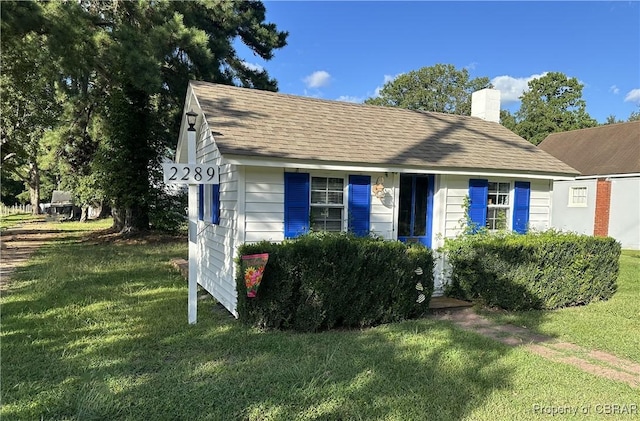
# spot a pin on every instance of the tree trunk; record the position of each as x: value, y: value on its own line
x: 84, y: 216
x: 130, y: 219
x: 105, y: 210
x: 34, y: 188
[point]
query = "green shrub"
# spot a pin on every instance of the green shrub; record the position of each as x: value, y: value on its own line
x: 546, y: 270
x: 321, y: 280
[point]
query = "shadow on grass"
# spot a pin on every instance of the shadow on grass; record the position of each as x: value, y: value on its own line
x: 100, y: 333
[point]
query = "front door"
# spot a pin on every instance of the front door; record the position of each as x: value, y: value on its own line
x: 415, y: 213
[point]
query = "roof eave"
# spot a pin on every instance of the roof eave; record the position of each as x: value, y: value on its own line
x: 318, y: 165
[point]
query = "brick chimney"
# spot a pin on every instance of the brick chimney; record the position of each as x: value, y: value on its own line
x: 485, y: 104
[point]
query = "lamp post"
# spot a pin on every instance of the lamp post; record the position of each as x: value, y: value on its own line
x: 193, y: 222
x: 196, y: 176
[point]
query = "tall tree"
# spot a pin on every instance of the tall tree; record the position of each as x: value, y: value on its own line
x: 29, y: 104
x: 441, y: 88
x: 553, y: 103
x: 125, y: 67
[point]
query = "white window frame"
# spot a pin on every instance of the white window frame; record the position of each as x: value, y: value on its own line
x: 342, y: 206
x: 494, y: 206
x: 582, y: 203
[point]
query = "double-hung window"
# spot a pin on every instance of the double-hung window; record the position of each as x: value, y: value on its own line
x: 578, y: 196
x: 490, y: 205
x: 321, y: 204
x: 497, y: 205
x: 327, y: 203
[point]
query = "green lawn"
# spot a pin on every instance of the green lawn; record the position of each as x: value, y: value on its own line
x: 99, y: 331
x: 13, y: 219
x: 612, y: 326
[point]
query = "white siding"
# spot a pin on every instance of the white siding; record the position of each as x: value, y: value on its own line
x: 252, y: 209
x: 457, y: 189
x: 540, y: 205
x: 264, y: 204
x: 217, y: 243
x: 450, y: 199
x: 383, y: 208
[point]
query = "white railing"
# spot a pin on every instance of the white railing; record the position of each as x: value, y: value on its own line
x: 6, y: 210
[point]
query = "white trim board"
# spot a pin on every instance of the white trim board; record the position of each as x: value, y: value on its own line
x: 315, y: 165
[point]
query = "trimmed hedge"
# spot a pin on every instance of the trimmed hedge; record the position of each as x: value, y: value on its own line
x: 320, y: 281
x: 546, y: 270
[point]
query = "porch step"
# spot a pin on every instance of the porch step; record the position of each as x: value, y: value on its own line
x: 446, y: 303
x: 182, y: 265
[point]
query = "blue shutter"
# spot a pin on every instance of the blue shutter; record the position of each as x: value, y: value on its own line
x: 430, y: 193
x: 296, y: 204
x: 201, y: 202
x: 215, y: 204
x: 521, y: 200
x: 359, y: 204
x: 478, y: 192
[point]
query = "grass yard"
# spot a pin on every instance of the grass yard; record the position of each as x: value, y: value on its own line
x: 13, y: 219
x: 98, y: 331
x: 612, y: 326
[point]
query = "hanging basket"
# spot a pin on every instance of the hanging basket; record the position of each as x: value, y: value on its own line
x: 253, y: 268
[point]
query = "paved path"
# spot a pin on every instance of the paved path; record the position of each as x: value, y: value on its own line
x: 589, y: 360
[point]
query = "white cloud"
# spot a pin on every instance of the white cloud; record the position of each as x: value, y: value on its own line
x: 317, y: 79
x: 511, y: 88
x: 252, y: 66
x: 387, y: 78
x: 349, y: 98
x: 471, y: 66
x: 614, y: 89
x: 633, y: 96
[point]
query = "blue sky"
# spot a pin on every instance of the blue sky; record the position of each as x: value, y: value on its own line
x: 347, y: 50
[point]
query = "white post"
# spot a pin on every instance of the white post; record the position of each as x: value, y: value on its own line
x: 193, y: 232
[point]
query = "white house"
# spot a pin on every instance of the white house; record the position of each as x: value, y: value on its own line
x: 604, y: 200
x: 289, y: 164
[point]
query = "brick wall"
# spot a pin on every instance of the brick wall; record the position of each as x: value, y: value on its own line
x: 603, y: 203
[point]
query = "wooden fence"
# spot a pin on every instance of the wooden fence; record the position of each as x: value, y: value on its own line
x: 7, y: 210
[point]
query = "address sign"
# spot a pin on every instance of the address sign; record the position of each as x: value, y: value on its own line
x: 190, y: 174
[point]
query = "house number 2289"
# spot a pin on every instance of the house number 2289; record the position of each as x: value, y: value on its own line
x: 190, y: 174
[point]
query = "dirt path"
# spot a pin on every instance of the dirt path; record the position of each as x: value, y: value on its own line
x: 592, y: 361
x: 17, y: 244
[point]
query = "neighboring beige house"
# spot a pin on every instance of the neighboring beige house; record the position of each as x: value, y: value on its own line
x: 289, y: 164
x: 605, y: 199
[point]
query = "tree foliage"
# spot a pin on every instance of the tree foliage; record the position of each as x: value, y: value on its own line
x: 634, y: 116
x: 553, y: 103
x: 29, y: 104
x: 122, y: 70
x: 440, y: 88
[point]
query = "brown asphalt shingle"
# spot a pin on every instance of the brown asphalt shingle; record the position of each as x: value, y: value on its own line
x: 603, y: 150
x: 248, y: 122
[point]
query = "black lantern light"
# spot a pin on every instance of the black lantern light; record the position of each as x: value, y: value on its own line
x: 191, y: 120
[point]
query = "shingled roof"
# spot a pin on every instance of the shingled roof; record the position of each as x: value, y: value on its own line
x: 248, y: 122
x: 603, y: 150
